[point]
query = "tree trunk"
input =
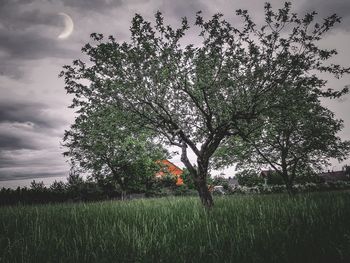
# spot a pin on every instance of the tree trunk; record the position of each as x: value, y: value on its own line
x: 204, y: 194
x: 290, y: 189
x: 288, y: 180
x: 199, y: 176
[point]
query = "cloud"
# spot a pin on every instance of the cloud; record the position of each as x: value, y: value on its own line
x: 28, y: 45
x: 30, y: 135
x: 37, y: 114
x: 326, y: 8
x: 50, y: 169
x: 91, y: 5
x: 26, y: 125
x: 28, y: 32
x: 13, y: 141
x: 183, y: 8
x: 15, y: 17
x: 21, y: 174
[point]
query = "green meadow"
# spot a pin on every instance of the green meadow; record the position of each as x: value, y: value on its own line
x: 240, y: 228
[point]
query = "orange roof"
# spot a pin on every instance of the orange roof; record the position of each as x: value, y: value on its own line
x: 172, y: 169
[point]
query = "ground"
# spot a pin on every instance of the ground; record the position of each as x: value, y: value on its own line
x: 255, y: 228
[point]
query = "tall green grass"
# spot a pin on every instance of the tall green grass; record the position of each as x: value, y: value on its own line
x: 274, y: 228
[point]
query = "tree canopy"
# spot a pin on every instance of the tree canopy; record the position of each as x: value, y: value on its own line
x: 106, y: 143
x: 196, y: 96
x: 296, y: 136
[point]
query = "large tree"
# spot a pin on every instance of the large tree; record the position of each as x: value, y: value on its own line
x: 197, y: 95
x: 105, y: 142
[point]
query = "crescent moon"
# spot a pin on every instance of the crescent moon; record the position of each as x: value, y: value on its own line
x: 68, y: 26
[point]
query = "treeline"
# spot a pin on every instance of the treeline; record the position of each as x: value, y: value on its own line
x: 250, y: 177
x: 79, y: 190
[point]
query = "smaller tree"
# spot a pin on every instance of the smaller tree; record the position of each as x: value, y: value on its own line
x: 37, y: 186
x: 58, y: 187
x: 103, y: 142
x: 297, y: 137
x: 249, y: 177
x: 220, y: 180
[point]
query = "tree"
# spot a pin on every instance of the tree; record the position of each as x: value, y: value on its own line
x: 58, y: 187
x: 249, y: 177
x: 297, y: 138
x: 104, y: 142
x: 37, y: 186
x: 195, y: 97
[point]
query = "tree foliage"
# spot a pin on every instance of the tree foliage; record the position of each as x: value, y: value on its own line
x: 105, y: 143
x: 297, y: 138
x: 249, y: 177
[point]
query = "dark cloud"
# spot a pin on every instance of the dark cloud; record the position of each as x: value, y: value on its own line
x: 38, y: 158
x: 29, y: 174
x: 11, y: 69
x: 13, y: 111
x: 25, y: 163
x: 12, y: 17
x: 13, y: 141
x: 28, y: 46
x: 183, y: 8
x: 29, y: 144
x: 91, y: 5
x: 30, y: 127
x: 20, y: 136
x: 28, y: 33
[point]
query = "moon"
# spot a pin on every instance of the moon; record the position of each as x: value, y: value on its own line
x: 68, y: 26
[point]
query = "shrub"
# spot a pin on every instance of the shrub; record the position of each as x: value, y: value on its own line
x: 307, y: 187
x: 219, y: 180
x: 249, y: 178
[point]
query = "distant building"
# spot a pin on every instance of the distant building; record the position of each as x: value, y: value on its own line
x: 168, y: 167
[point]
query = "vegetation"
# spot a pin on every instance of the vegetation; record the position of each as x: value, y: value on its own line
x: 250, y: 177
x: 104, y: 143
x: 296, y: 140
x: 91, y: 189
x: 296, y: 134
x: 281, y: 188
x: 201, y: 97
x: 274, y: 228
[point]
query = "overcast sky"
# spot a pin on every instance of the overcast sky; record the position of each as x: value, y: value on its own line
x: 33, y: 102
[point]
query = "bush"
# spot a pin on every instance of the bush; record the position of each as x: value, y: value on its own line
x: 309, y: 178
x: 273, y: 178
x: 219, y: 180
x: 167, y: 180
x: 249, y: 178
x: 186, y: 177
x: 307, y: 187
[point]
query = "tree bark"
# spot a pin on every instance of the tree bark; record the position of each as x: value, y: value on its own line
x: 204, y: 193
x: 290, y: 189
x: 289, y: 183
x: 199, y: 176
x: 288, y: 180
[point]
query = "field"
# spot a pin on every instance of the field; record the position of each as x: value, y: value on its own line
x: 255, y: 228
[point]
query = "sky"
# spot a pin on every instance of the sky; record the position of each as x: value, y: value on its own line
x: 33, y: 103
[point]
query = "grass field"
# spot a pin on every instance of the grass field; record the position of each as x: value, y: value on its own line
x: 273, y: 228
